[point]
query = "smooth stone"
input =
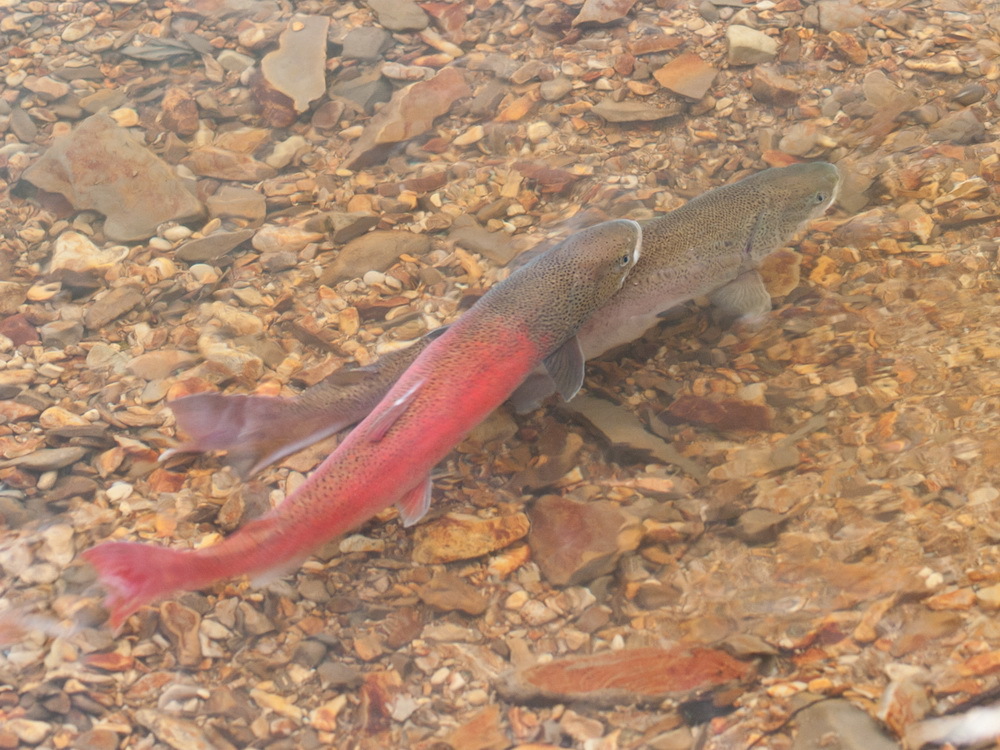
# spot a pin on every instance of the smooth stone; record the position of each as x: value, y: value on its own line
x: 499, y: 247
x: 613, y: 111
x: 366, y: 43
x: 365, y: 90
x: 213, y: 246
x: 237, y: 202
x: 749, y: 46
x: 399, y: 15
x: 47, y: 459
x: 376, y: 250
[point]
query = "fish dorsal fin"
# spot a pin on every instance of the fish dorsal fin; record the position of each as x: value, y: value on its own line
x: 565, y: 366
x: 414, y: 504
x: 382, y: 422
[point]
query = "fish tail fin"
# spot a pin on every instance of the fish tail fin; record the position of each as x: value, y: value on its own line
x: 255, y: 430
x: 136, y: 574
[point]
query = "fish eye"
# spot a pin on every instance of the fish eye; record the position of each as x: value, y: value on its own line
x: 820, y: 197
x: 625, y: 259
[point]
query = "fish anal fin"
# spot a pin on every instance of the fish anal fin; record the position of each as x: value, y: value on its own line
x: 382, y: 422
x: 529, y: 395
x: 565, y: 366
x: 744, y: 296
x: 415, y: 503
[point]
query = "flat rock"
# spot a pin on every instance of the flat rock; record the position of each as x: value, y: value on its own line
x: 613, y: 111
x: 838, y: 725
x: 112, y: 305
x: 961, y: 127
x: 376, y: 251
x: 399, y: 15
x: 622, y: 428
x: 365, y: 90
x: 158, y: 364
x: 46, y: 459
x: 603, y: 11
x: 410, y: 112
x: 366, y: 43
x: 470, y: 235
x: 574, y: 542
x: 448, y: 592
x: 461, y: 537
x: 181, y: 626
x: 837, y: 15
x: 100, y: 166
x: 749, y: 46
x: 687, y: 75
x: 212, y: 161
x: 343, y: 226
x: 273, y: 238
x: 298, y: 67
x: 642, y: 675
x: 213, y: 246
x: 237, y: 203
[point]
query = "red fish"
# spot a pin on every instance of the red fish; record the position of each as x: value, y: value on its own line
x: 465, y: 373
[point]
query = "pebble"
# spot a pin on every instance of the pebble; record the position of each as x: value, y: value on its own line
x: 28, y: 731
x: 213, y: 246
x: 748, y: 46
x: 399, y: 15
x: 272, y: 238
x: 366, y: 43
x: 627, y: 111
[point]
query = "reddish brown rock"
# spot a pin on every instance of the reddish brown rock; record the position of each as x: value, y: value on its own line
x: 770, y: 87
x: 727, y: 414
x: 576, y: 542
x: 687, y: 75
x: 643, y: 675
x: 411, y: 111
x: 481, y: 732
x: 179, y: 111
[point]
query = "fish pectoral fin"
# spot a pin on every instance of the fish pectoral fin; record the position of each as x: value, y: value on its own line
x: 530, y: 393
x: 381, y: 423
x: 565, y: 366
x: 415, y: 503
x: 743, y: 296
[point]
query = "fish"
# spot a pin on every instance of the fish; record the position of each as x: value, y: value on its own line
x: 461, y: 376
x: 711, y: 246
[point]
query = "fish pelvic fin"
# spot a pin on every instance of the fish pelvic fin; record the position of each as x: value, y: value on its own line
x: 415, y: 503
x: 565, y: 366
x: 256, y: 431
x: 136, y: 574
x: 383, y: 421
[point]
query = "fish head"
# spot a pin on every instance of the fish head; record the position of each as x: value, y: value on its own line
x: 792, y: 196
x: 604, y: 255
